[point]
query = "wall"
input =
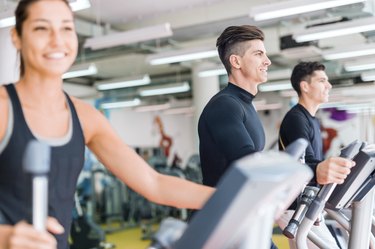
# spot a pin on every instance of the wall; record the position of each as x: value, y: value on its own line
x: 138, y: 129
x: 9, y: 67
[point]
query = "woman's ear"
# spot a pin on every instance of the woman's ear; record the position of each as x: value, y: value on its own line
x: 235, y: 61
x: 15, y: 39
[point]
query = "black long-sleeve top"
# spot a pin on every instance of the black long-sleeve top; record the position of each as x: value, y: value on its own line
x: 299, y: 123
x: 229, y: 128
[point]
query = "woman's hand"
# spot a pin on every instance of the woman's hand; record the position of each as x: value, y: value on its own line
x: 24, y: 236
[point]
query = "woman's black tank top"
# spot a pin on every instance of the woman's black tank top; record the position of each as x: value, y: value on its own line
x: 66, y: 163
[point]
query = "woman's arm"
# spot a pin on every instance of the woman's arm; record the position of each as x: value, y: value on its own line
x: 128, y: 166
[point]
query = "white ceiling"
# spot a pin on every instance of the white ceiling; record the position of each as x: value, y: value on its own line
x: 196, y: 23
x: 121, y: 12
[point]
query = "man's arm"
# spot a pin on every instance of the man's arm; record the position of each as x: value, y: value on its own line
x: 331, y: 170
x: 294, y: 126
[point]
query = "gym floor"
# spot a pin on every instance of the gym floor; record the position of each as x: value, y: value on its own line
x: 131, y: 239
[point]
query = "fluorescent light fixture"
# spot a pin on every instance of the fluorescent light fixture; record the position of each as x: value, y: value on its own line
x: 358, y: 91
x: 78, y: 5
x: 368, y: 76
x: 212, y: 72
x: 271, y: 75
x: 301, y: 52
x: 179, y: 110
x: 80, y: 91
x: 349, y: 52
x: 279, y: 74
x: 123, y: 83
x: 289, y: 8
x: 121, y: 104
x: 129, y: 37
x: 166, y: 89
x: 359, y: 65
x: 264, y: 107
x: 181, y: 55
x: 7, y: 19
x: 356, y: 106
x: 336, y: 29
x: 81, y: 70
x: 275, y: 86
x: 151, y: 108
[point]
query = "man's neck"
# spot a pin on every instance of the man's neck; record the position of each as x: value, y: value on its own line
x: 311, y: 107
x: 244, y: 84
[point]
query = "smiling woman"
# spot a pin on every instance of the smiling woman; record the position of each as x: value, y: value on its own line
x: 45, y: 28
x: 36, y: 108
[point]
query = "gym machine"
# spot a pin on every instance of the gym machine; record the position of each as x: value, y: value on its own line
x: 355, y: 193
x: 241, y: 213
x: 36, y: 162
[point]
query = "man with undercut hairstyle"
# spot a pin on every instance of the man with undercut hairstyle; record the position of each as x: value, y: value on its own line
x: 229, y: 127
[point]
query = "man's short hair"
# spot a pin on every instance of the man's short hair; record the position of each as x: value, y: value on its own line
x: 232, y: 41
x: 303, y: 72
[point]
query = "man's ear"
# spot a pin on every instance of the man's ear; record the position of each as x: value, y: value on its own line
x: 235, y: 61
x: 15, y: 39
x: 304, y: 86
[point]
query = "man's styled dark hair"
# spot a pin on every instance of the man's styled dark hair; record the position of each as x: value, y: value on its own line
x: 303, y: 72
x: 232, y: 41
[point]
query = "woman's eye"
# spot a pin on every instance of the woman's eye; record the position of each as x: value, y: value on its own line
x: 40, y: 28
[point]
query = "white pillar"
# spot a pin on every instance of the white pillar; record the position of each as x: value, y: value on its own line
x: 203, y: 89
x: 9, y: 67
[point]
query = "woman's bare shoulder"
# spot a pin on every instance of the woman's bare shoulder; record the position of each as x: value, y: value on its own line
x: 91, y: 119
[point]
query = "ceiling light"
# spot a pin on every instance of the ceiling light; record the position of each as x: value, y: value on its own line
x: 80, y: 5
x: 128, y: 37
x: 358, y: 90
x: 271, y: 75
x: 302, y: 51
x: 7, y: 18
x: 348, y: 52
x: 121, y: 104
x: 166, y: 89
x: 359, y: 65
x: 275, y: 86
x: 279, y: 74
x: 150, y: 108
x: 273, y: 106
x: 336, y: 29
x: 368, y: 76
x: 212, y: 72
x: 123, y: 83
x: 179, y: 110
x: 80, y: 90
x: 181, y: 55
x: 80, y: 70
x: 289, y: 8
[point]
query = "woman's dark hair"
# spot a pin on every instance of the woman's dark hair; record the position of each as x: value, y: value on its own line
x: 303, y: 72
x: 232, y: 41
x: 21, y: 13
